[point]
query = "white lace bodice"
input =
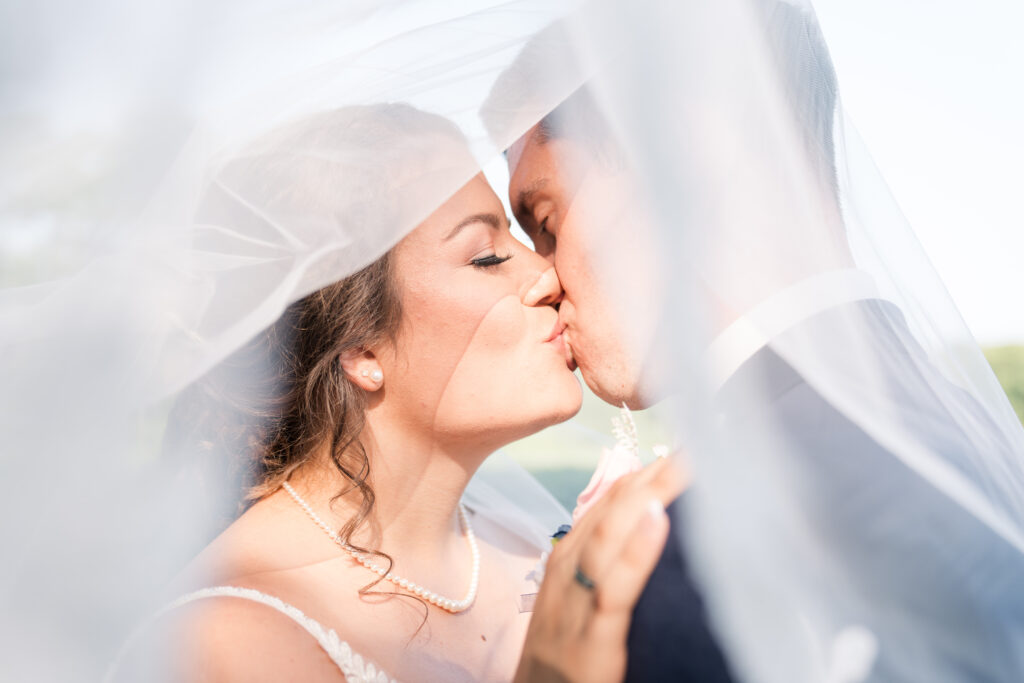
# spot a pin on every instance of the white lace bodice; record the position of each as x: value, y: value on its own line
x: 355, y: 668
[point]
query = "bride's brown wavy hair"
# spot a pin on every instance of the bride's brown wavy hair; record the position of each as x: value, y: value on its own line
x: 283, y: 398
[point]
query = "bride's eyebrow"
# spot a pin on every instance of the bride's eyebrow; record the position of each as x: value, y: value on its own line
x: 491, y: 219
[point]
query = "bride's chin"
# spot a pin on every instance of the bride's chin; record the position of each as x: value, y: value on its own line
x: 563, y: 404
x: 573, y: 401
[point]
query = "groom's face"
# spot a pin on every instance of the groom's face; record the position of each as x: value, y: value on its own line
x: 583, y: 218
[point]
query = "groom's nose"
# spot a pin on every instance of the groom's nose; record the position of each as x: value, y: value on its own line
x: 546, y: 290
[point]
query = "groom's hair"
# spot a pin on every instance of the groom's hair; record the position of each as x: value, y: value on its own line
x: 579, y: 118
x: 795, y: 44
x: 803, y: 62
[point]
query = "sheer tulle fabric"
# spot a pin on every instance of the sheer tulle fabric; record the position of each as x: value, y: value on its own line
x: 317, y: 137
x: 856, y: 512
x: 858, y: 505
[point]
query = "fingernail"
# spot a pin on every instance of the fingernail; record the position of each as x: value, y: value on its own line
x: 655, y: 509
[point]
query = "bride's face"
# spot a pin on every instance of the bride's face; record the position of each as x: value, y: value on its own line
x: 479, y: 357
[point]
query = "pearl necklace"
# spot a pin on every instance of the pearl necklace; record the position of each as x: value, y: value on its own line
x: 453, y: 606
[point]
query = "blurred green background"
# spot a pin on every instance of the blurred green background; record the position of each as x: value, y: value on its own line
x: 563, y: 457
x: 1008, y: 364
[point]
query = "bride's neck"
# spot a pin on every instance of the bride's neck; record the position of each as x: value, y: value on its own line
x: 417, y: 484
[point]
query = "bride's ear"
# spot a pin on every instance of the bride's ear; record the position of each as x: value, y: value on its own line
x: 362, y: 368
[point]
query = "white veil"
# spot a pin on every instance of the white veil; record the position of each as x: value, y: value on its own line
x: 183, y: 259
x: 857, y: 511
x: 890, y: 548
x: 858, y: 499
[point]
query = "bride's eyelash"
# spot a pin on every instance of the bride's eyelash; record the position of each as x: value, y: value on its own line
x: 490, y: 261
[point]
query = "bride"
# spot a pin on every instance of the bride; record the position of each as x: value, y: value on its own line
x: 358, y: 419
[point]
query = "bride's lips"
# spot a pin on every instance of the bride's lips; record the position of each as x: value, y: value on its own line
x: 557, y: 337
x: 556, y: 331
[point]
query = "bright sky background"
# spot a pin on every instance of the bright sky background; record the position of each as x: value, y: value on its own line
x: 935, y: 89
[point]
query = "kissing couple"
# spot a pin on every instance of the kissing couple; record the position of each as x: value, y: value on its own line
x: 332, y: 301
x: 368, y: 407
x: 369, y: 549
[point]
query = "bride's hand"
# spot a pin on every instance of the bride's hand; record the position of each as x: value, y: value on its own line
x: 593, y: 579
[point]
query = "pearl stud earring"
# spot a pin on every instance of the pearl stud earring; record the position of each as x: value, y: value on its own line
x: 365, y: 373
x: 377, y: 376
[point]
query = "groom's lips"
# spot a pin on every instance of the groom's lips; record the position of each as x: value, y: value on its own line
x: 570, y: 362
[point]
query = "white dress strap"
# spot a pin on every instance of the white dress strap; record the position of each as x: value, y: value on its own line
x: 353, y: 666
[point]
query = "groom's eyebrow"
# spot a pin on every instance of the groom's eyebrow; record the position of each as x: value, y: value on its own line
x: 491, y: 219
x: 522, y: 201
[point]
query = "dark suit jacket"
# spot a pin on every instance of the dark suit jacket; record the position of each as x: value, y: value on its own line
x: 669, y: 638
x: 957, y: 625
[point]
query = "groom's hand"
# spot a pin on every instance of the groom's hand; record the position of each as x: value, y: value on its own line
x: 595, y: 576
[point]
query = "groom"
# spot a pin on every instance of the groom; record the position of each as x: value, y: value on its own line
x: 568, y: 193
x: 669, y: 639
x: 565, y: 184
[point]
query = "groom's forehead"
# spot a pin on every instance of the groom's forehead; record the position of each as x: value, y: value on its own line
x: 527, y: 177
x: 514, y: 154
x: 527, y: 148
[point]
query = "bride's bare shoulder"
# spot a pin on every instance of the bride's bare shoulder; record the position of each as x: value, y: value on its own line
x: 271, y: 537
x: 220, y: 639
x: 226, y: 635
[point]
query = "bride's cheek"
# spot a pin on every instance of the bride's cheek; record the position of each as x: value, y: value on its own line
x: 501, y: 329
x: 487, y: 368
x: 495, y: 337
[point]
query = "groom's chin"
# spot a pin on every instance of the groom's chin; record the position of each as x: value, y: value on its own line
x: 617, y: 390
x: 638, y: 401
x: 640, y: 398
x: 635, y: 390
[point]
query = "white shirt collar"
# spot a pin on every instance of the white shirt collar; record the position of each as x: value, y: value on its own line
x: 781, y: 311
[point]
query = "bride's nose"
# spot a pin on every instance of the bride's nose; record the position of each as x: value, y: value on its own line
x: 546, y: 290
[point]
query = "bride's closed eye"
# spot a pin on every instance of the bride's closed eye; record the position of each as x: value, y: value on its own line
x: 490, y: 261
